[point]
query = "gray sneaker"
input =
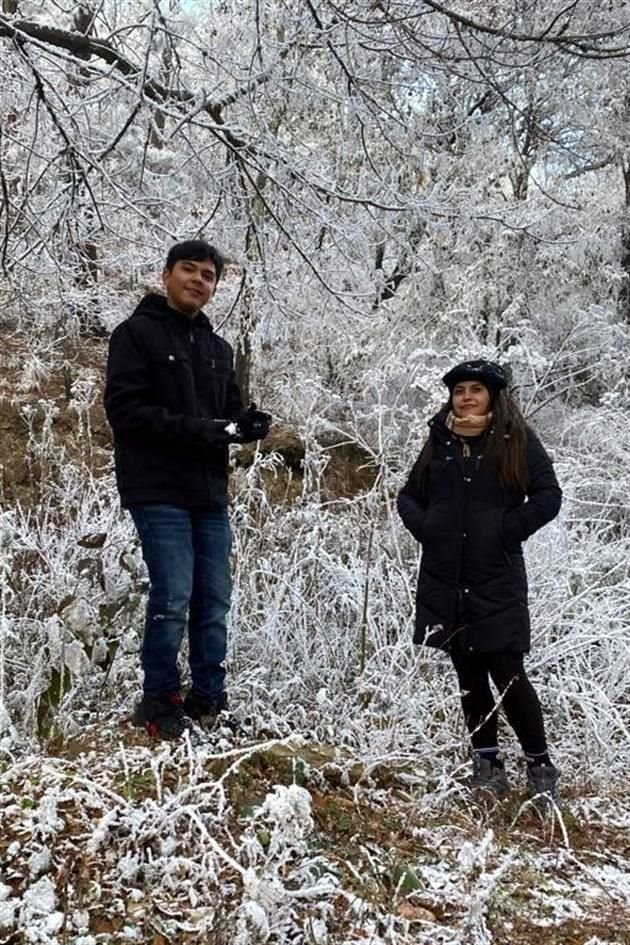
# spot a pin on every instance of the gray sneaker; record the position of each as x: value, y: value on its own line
x: 489, y: 776
x: 542, y: 786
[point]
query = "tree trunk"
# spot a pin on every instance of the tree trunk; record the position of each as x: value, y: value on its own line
x: 242, y: 365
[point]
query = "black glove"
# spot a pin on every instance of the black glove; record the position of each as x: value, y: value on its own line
x: 252, y: 424
x: 214, y: 432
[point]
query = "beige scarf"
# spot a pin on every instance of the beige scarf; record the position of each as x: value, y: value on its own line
x: 471, y: 426
x: 468, y: 426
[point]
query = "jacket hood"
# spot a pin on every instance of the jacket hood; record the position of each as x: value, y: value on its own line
x: 155, y: 305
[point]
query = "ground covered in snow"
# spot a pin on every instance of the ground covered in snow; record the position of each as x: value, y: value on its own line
x: 243, y: 839
x: 339, y: 813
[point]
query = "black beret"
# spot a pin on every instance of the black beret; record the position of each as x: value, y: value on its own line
x: 488, y: 372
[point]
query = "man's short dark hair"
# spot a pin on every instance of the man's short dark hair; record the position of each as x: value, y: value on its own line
x: 198, y: 251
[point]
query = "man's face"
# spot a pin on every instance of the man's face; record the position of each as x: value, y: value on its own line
x: 190, y: 285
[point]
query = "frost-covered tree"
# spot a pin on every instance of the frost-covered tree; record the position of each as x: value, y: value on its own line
x: 369, y: 172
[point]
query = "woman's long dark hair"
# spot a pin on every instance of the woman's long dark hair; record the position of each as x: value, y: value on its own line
x: 505, y: 443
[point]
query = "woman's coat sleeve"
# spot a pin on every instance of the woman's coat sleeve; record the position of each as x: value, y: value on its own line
x: 544, y: 495
x: 411, y: 507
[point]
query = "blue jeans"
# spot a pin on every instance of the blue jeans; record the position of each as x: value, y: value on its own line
x: 187, y: 554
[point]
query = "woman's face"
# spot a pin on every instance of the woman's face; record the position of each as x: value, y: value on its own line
x: 470, y: 399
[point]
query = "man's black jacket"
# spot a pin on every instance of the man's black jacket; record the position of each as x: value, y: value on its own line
x: 168, y: 376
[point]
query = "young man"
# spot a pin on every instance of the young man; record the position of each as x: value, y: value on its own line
x: 174, y: 407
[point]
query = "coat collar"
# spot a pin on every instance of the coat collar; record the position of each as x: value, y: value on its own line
x: 437, y: 425
x: 155, y: 306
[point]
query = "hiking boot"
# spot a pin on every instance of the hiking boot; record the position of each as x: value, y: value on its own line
x: 162, y: 716
x: 542, y: 786
x: 205, y: 711
x: 489, y: 776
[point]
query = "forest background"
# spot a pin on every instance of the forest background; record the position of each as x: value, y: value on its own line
x: 396, y: 186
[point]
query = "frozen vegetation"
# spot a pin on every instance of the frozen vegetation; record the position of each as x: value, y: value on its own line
x: 397, y: 186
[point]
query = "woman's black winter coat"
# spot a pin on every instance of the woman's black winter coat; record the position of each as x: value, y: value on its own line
x: 472, y: 587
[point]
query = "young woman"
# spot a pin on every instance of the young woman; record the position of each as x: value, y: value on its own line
x: 481, y: 486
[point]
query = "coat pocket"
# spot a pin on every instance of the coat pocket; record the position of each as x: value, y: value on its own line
x: 511, y: 532
x: 171, y: 380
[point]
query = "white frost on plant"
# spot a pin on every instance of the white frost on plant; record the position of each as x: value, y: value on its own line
x: 128, y: 867
x: 168, y: 846
x: 53, y: 923
x: 615, y: 880
x: 267, y: 891
x: 6, y: 728
x: 40, y: 897
x: 289, y: 811
x: 8, y: 907
x: 284, y: 874
x: 101, y: 831
x: 131, y: 933
x: 252, y: 924
x: 47, y: 817
x: 81, y: 920
x: 99, y: 651
x: 5, y: 892
x: 80, y: 617
x: 317, y: 931
x: 53, y: 629
x: 595, y: 940
x: 466, y: 856
x: 130, y: 641
x: 75, y: 658
x: 472, y: 856
x: 39, y: 862
x: 38, y: 916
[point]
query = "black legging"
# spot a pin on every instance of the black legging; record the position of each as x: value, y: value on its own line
x: 516, y: 694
